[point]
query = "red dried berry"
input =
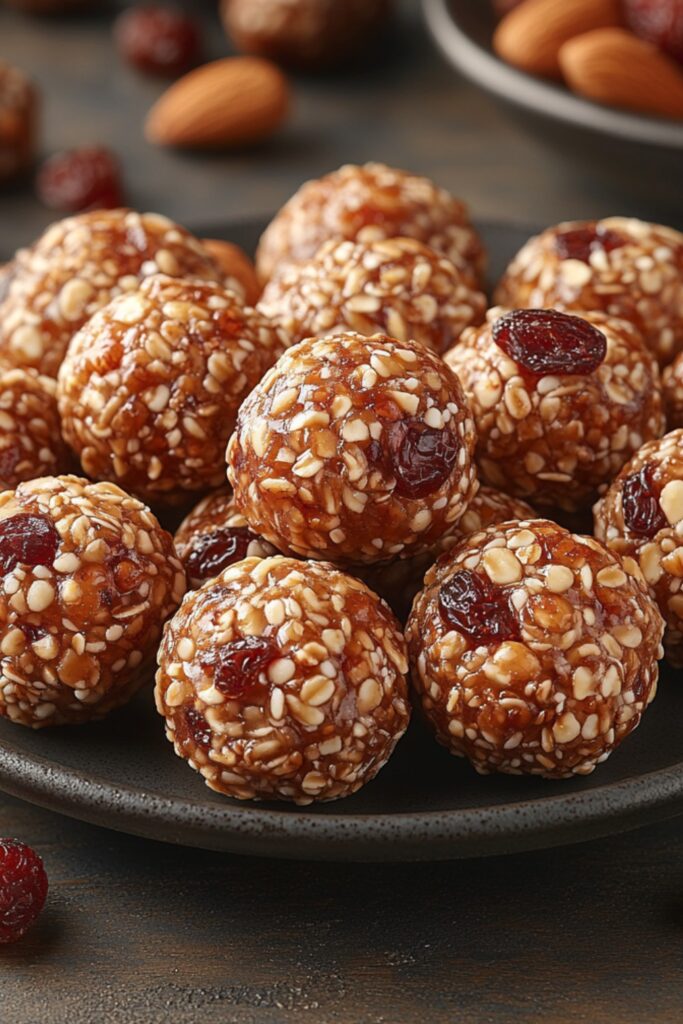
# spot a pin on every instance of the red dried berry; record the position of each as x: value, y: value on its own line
x: 545, y: 341
x: 239, y: 665
x: 658, y: 21
x: 23, y: 889
x: 478, y: 608
x: 157, y: 40
x: 579, y: 243
x: 81, y: 179
x: 27, y: 539
x: 640, y: 503
x: 421, y: 458
x: 192, y: 727
x: 215, y: 551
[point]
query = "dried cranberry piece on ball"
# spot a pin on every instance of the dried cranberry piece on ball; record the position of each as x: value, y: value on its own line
x: 580, y: 243
x: 27, y: 539
x: 23, y: 889
x: 421, y: 457
x: 283, y: 680
x: 640, y: 502
x: 572, y: 681
x: 544, y: 341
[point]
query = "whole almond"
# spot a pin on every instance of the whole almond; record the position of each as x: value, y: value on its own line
x: 531, y: 35
x: 615, y: 67
x: 228, y: 102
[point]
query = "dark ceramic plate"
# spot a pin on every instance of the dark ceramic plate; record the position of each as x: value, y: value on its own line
x: 123, y: 774
x: 463, y: 30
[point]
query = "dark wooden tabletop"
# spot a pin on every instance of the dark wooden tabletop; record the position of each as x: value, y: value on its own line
x: 139, y: 933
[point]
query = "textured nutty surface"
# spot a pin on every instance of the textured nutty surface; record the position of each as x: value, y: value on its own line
x: 365, y: 204
x: 306, y: 460
x: 640, y: 281
x: 672, y: 387
x: 323, y: 715
x: 397, y: 285
x: 558, y: 699
x: 215, y: 517
x: 76, y: 267
x: 18, y: 110
x: 557, y: 439
x: 30, y: 440
x: 399, y: 581
x: 150, y: 387
x: 76, y: 631
x: 659, y: 555
x: 239, y: 273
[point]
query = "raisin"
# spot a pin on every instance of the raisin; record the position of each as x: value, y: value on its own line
x: 421, y: 458
x: 27, y: 539
x: 238, y: 666
x: 545, y: 341
x: 23, y: 889
x: 192, y: 726
x: 658, y: 21
x: 81, y: 179
x: 215, y: 551
x: 640, y: 503
x: 476, y: 607
x: 157, y: 40
x: 579, y: 243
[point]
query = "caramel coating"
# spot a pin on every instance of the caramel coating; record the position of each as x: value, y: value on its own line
x: 76, y: 267
x: 397, y: 285
x: 656, y: 545
x: 283, y: 680
x: 151, y: 385
x: 672, y: 388
x: 556, y: 440
x: 569, y: 676
x: 333, y: 454
x: 365, y: 204
x: 215, y: 535
x: 88, y: 577
x: 239, y: 273
x: 30, y: 440
x: 640, y: 280
x: 398, y: 582
x: 18, y: 117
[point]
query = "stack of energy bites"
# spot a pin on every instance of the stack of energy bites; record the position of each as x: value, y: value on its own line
x: 364, y: 428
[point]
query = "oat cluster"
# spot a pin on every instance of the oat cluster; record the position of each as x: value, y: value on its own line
x: 284, y: 681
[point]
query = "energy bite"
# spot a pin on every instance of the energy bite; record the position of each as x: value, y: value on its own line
x: 672, y: 388
x: 150, y: 387
x: 285, y: 681
x: 641, y: 518
x: 79, y: 264
x: 399, y: 581
x: 354, y: 450
x: 625, y: 267
x: 87, y: 578
x: 215, y: 535
x: 30, y: 439
x: 560, y: 402
x: 533, y: 651
x: 365, y: 204
x: 397, y: 285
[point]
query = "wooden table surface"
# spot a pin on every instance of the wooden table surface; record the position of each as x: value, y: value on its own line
x: 139, y: 933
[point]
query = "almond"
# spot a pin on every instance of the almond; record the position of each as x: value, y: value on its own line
x: 228, y: 102
x: 531, y: 35
x: 615, y: 67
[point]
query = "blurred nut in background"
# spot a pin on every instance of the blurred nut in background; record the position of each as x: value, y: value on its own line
x: 18, y: 117
x: 308, y: 34
x: 157, y: 40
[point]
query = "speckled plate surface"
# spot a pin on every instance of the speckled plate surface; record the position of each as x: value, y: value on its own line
x: 122, y: 773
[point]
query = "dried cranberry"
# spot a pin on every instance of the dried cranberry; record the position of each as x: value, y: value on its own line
x: 215, y: 551
x: 158, y: 40
x: 81, y: 179
x: 238, y: 665
x: 27, y: 539
x: 23, y: 889
x: 579, y: 243
x: 192, y: 725
x: 640, y: 503
x: 658, y: 21
x: 545, y: 341
x: 421, y: 458
x: 475, y: 606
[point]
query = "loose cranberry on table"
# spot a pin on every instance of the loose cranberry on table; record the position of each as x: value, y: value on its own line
x: 158, y: 40
x: 81, y: 179
x: 658, y: 21
x: 23, y: 889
